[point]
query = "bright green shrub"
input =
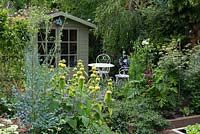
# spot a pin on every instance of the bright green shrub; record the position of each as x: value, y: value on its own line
x: 193, y: 129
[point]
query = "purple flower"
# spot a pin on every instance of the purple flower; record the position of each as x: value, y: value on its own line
x: 66, y: 95
x: 147, y: 73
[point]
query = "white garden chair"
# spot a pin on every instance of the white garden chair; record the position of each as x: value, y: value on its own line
x: 103, y: 58
x: 122, y: 74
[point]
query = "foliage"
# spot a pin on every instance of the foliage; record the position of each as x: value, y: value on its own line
x: 192, y: 74
x: 120, y: 30
x: 135, y: 116
x: 155, y: 79
x: 193, y: 129
x: 49, y: 102
x: 13, y: 38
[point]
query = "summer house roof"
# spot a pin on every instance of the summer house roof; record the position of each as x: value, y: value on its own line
x: 24, y: 13
x: 66, y: 15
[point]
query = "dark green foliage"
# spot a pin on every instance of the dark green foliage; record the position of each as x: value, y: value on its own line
x: 120, y: 30
x: 135, y: 116
x: 13, y: 38
x: 191, y: 79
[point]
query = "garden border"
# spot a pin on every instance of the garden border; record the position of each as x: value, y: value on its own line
x: 180, y: 123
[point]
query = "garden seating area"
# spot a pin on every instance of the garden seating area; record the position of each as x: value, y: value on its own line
x: 99, y: 67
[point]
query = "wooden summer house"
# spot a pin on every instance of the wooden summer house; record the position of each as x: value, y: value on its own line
x: 67, y: 38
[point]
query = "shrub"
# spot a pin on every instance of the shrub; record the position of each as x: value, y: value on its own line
x: 135, y: 116
x: 191, y: 84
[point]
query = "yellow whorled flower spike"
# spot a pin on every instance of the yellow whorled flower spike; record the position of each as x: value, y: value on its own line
x: 107, y: 97
x: 81, y: 82
x: 80, y: 63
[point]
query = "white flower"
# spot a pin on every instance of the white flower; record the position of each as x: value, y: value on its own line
x: 145, y: 42
x: 12, y: 128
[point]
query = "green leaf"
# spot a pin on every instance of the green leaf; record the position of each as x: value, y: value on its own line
x: 110, y: 111
x: 72, y: 123
x: 85, y: 121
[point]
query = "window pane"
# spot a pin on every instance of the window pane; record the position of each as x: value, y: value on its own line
x: 73, y: 61
x: 73, y: 35
x: 73, y: 48
x: 51, y: 60
x: 50, y: 48
x: 64, y: 36
x: 42, y: 34
x: 52, y: 35
x: 64, y: 48
x: 41, y: 59
x: 40, y: 48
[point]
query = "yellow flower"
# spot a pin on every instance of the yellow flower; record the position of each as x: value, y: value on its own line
x: 97, y: 79
x: 62, y: 77
x: 93, y: 75
x: 62, y: 65
x: 94, y: 68
x: 75, y: 69
x: 94, y: 72
x: 97, y: 87
x: 108, y: 92
x: 82, y: 78
x: 80, y: 64
x: 82, y: 69
x: 91, y: 87
x: 74, y: 75
x: 109, y: 83
x: 79, y: 73
x: 63, y: 61
x: 51, y: 69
